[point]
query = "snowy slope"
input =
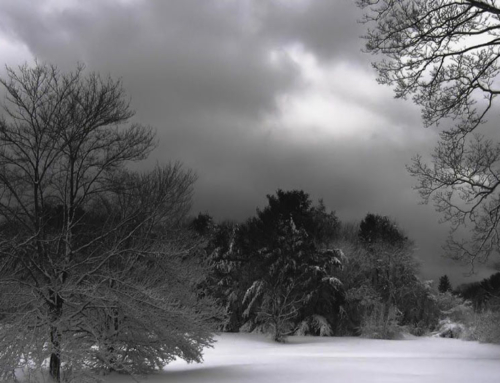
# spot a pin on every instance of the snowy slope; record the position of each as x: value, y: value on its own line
x: 253, y: 358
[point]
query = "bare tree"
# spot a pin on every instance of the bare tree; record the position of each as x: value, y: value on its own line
x: 444, y: 54
x: 92, y: 272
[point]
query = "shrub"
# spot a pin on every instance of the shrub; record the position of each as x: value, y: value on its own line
x: 450, y: 329
x: 485, y: 327
x: 380, y: 324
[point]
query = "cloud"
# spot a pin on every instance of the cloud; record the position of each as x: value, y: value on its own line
x: 255, y: 95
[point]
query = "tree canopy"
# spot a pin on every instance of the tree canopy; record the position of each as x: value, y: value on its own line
x: 444, y: 55
x: 95, y: 268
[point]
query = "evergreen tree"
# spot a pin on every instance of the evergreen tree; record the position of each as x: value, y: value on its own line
x: 229, y: 271
x: 444, y: 284
x: 294, y: 287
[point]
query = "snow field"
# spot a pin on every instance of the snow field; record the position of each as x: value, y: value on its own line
x: 255, y: 358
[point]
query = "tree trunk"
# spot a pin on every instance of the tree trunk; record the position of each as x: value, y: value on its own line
x: 55, y: 356
x: 113, y: 329
x: 385, y: 315
x: 55, y: 338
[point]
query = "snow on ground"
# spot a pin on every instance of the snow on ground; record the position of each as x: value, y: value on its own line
x: 254, y: 358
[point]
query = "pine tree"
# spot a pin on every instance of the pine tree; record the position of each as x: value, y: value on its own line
x: 444, y: 284
x: 294, y: 287
x: 229, y: 271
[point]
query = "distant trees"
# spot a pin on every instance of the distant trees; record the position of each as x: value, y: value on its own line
x: 444, y: 284
x: 375, y: 229
x: 382, y: 288
x: 284, y: 272
x: 444, y: 54
x: 393, y: 265
x: 484, y: 294
x: 95, y: 270
x: 481, y: 306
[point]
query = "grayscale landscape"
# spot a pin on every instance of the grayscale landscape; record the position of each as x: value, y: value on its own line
x: 249, y: 190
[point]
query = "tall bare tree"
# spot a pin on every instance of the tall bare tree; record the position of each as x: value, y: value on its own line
x: 92, y: 272
x: 444, y: 54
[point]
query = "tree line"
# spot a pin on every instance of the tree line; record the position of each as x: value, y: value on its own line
x: 295, y: 268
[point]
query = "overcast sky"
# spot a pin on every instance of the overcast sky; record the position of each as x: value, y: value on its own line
x: 254, y: 95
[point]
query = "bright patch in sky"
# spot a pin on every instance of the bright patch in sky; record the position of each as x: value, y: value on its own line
x: 13, y: 52
x: 332, y: 102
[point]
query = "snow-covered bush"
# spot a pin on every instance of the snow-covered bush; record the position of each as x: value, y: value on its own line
x: 457, y: 317
x: 450, y: 329
x: 382, y: 323
x: 419, y: 329
x: 314, y: 324
x: 454, y: 307
x: 485, y: 327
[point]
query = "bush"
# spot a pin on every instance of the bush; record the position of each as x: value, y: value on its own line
x: 455, y: 308
x: 485, y: 327
x: 419, y: 329
x: 450, y: 329
x: 382, y: 325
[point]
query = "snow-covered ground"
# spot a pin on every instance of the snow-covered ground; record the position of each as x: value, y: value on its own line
x: 256, y: 359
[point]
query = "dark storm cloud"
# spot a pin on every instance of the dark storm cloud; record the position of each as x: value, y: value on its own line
x: 219, y: 81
